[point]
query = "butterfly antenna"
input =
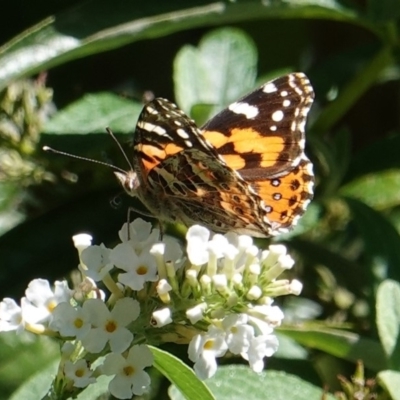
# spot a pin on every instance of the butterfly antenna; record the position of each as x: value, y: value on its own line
x: 110, y: 132
x: 63, y: 153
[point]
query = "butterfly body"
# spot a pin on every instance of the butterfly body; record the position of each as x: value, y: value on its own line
x: 245, y: 170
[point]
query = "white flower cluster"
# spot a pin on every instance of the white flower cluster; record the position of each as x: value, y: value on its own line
x: 217, y: 297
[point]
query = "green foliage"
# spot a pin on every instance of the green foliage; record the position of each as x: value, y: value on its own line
x: 183, y: 377
x: 347, y: 245
x: 235, y: 382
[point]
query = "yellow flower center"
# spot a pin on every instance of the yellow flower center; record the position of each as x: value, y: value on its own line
x: 208, y: 345
x: 129, y: 370
x: 51, y: 305
x: 111, y: 326
x: 78, y: 323
x: 141, y: 270
x: 79, y: 373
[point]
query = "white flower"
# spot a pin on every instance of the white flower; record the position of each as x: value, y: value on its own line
x: 96, y: 262
x: 270, y: 256
x: 197, y: 244
x: 218, y: 245
x: 295, y: 287
x: 220, y: 282
x: 70, y: 321
x: 110, y: 326
x: 254, y: 293
x: 43, y: 300
x: 238, y: 332
x: 67, y: 349
x: 173, y: 251
x: 130, y: 379
x: 196, y: 313
x: 10, y: 316
x: 272, y: 315
x: 169, y: 251
x: 139, y: 269
x: 216, y: 248
x: 204, y: 348
x: 79, y: 373
x: 82, y: 241
x: 161, y: 317
x: 260, y: 347
x: 163, y: 287
x: 141, y: 235
x: 241, y: 244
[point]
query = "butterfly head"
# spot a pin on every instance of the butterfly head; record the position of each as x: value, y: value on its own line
x: 129, y: 181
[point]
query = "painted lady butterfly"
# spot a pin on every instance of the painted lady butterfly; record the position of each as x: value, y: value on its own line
x: 245, y: 170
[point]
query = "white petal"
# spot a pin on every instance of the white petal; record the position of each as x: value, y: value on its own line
x: 120, y: 340
x: 125, y: 311
x: 95, y: 340
x: 113, y: 363
x: 140, y: 356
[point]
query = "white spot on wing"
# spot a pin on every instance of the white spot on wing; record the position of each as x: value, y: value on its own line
x: 182, y: 133
x: 269, y: 88
x: 275, y: 182
x: 147, y: 126
x: 284, y: 93
x: 151, y: 110
x: 286, y: 103
x: 244, y: 108
x: 277, y: 116
x: 273, y: 128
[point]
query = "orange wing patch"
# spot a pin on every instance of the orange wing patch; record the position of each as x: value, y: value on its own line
x: 287, y: 197
x: 154, y: 155
x: 244, y: 143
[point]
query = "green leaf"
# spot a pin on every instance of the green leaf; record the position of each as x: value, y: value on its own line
x: 93, y: 113
x: 100, y: 25
x: 218, y: 72
x: 347, y: 273
x: 346, y: 345
x: 353, y: 91
x: 381, y: 155
x: 21, y: 357
x: 388, y: 319
x: 238, y: 382
x: 178, y: 373
x: 38, y: 385
x: 97, y: 389
x: 381, y: 240
x: 380, y: 190
x: 390, y: 380
x: 384, y: 10
x: 289, y: 348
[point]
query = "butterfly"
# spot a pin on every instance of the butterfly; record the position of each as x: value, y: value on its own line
x: 244, y: 171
